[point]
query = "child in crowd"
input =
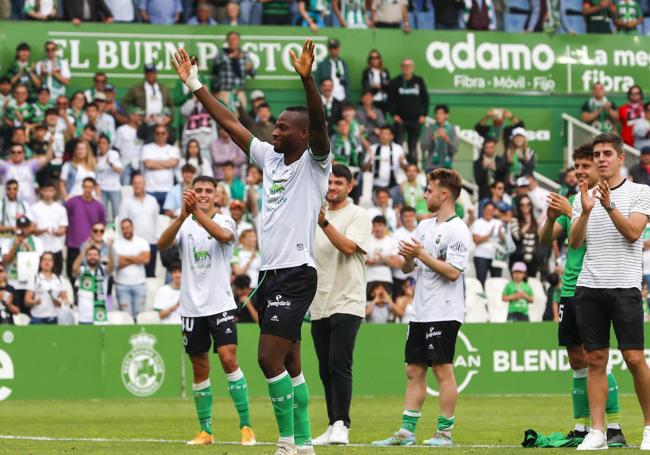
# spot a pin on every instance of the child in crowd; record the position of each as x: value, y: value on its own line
x: 518, y: 294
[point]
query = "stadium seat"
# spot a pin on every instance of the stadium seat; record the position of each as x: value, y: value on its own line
x: 514, y: 22
x: 536, y: 309
x: 425, y: 20
x: 475, y: 301
x: 576, y: 23
x: 153, y: 284
x: 497, y: 308
x: 148, y: 317
x: 572, y: 6
x: 120, y: 318
x: 518, y: 5
x: 21, y: 319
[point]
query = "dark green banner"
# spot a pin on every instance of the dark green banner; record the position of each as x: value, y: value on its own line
x: 130, y: 361
x: 450, y: 61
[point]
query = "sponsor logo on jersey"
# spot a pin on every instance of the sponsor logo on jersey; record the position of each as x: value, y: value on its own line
x: 143, y: 369
x: 278, y: 302
x: 225, y: 317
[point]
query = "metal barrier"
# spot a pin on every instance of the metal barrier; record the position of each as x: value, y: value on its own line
x: 578, y: 133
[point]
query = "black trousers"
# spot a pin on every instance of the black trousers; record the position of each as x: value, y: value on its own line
x: 334, y: 339
x: 412, y: 129
x: 71, y: 256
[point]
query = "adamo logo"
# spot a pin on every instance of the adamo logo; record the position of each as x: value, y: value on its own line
x: 466, y: 364
x: 143, y: 370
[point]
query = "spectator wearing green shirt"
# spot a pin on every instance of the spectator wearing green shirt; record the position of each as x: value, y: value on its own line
x: 598, y: 15
x: 628, y: 17
x: 236, y: 186
x: 22, y: 70
x: 600, y: 112
x: 19, y: 112
x: 518, y: 294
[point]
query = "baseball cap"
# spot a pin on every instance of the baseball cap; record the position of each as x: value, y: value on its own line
x: 523, y: 181
x: 99, y: 96
x: 645, y: 150
x: 333, y: 43
x: 519, y: 131
x: 237, y: 204
x: 149, y: 67
x: 109, y: 88
x: 257, y: 94
x: 503, y: 207
x: 519, y: 267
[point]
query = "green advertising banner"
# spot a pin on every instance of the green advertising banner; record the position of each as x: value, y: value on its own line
x: 450, y: 61
x: 147, y: 361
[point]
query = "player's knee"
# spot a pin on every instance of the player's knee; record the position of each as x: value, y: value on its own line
x: 269, y: 366
x: 415, y: 372
x: 597, y: 360
x: 229, y: 364
x: 577, y: 359
x: 635, y: 360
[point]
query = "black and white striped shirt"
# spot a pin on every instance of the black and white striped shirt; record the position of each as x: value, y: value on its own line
x: 611, y: 261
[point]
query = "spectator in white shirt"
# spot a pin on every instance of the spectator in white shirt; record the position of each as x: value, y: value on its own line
x: 12, y: 208
x: 174, y: 199
x: 104, y: 123
x: 45, y: 293
x: 380, y: 307
x: 160, y: 160
x: 486, y: 233
x: 641, y: 129
x: 129, y: 144
x: 132, y: 253
x: 109, y: 169
x: 246, y: 258
x: 193, y: 156
x: 539, y: 197
x: 51, y: 220
x: 405, y: 233
x: 73, y: 173
x: 382, y: 256
x: 142, y: 209
x: 384, y: 207
x: 385, y: 159
x: 167, y: 300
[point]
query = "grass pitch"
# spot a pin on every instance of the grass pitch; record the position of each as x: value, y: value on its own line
x: 485, y: 425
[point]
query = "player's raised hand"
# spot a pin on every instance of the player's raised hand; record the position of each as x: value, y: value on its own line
x: 604, y: 194
x: 588, y: 200
x: 305, y: 62
x: 557, y: 206
x: 189, y: 203
x: 186, y: 68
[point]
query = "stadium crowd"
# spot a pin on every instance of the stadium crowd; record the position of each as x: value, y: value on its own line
x: 91, y: 178
x: 569, y: 16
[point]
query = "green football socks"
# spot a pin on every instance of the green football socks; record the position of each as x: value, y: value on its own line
x: 410, y: 420
x: 580, y: 399
x: 281, y: 393
x: 613, y: 406
x: 446, y: 423
x: 203, y: 403
x: 238, y: 390
x: 302, y: 427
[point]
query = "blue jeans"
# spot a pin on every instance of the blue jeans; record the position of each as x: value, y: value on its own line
x: 127, y: 174
x: 39, y: 321
x: 483, y: 266
x: 131, y: 297
x: 114, y: 198
x: 160, y: 198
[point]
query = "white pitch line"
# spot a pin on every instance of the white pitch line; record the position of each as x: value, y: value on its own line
x: 176, y: 441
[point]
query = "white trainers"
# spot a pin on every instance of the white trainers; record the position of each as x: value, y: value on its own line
x: 645, y: 444
x: 340, y: 434
x: 305, y: 450
x: 595, y: 440
x: 323, y: 439
x: 286, y: 448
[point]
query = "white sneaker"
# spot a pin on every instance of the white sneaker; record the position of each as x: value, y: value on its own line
x: 286, y: 448
x: 340, y: 433
x: 323, y: 439
x: 595, y: 440
x: 645, y: 444
x: 306, y: 450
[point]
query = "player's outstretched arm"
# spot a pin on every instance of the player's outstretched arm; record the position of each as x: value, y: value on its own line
x: 188, y: 72
x: 318, y: 137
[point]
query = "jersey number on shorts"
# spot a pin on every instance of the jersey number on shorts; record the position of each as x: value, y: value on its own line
x: 188, y: 324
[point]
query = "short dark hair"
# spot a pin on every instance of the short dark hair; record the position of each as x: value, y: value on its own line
x: 104, y: 136
x: 175, y: 266
x: 89, y: 179
x: 51, y: 111
x: 583, y: 152
x: 232, y: 32
x: 380, y: 219
x: 494, y: 184
x: 47, y: 184
x: 228, y: 164
x: 126, y: 220
x: 387, y: 127
x: 266, y: 105
x: 93, y: 104
x: 90, y: 127
x: 4, y: 79
x: 339, y: 170
x: 487, y: 140
x: 406, y: 209
x: 325, y: 79
x: 382, y: 189
x: 242, y: 281
x: 444, y: 107
x: 635, y: 86
x: 136, y: 174
x: 449, y: 179
x: 187, y: 167
x: 609, y: 138
x: 347, y: 107
x: 204, y: 178
x: 93, y: 248
x: 11, y: 182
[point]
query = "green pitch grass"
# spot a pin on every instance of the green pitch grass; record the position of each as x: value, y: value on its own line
x: 485, y: 425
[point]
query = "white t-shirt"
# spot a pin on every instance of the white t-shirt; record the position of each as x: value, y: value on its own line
x: 144, y: 214
x: 404, y: 235
x: 79, y: 176
x: 387, y: 246
x: 5, y: 246
x: 10, y: 210
x: 166, y: 297
x: 342, y: 279
x: 241, y: 258
x: 203, y: 169
x: 483, y: 227
x: 292, y: 199
x: 43, y: 289
x: 50, y: 216
x: 86, y: 300
x: 539, y: 198
x: 127, y: 142
x: 385, y: 165
x: 159, y: 180
x: 132, y: 274
x: 611, y: 261
x: 107, y: 178
x: 646, y: 253
x: 436, y: 298
x: 205, y: 283
x: 388, y: 213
